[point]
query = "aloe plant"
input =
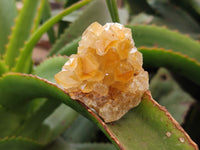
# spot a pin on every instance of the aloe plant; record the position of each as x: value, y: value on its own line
x: 37, y: 114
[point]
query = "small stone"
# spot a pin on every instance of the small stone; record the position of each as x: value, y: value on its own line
x: 106, y: 74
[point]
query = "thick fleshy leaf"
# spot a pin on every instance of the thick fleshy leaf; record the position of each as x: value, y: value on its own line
x: 46, y: 14
x: 21, y: 31
x: 19, y: 143
x: 50, y: 67
x: 99, y: 12
x: 180, y: 20
x: 81, y: 131
x: 191, y: 6
x: 10, y: 121
x: 60, y: 144
x: 63, y: 116
x: 3, y: 68
x: 169, y: 94
x: 148, y: 126
x: 178, y: 63
x: 8, y: 12
x: 27, y: 50
x: 153, y: 36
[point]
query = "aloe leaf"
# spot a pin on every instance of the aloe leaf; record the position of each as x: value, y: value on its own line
x: 81, y: 131
x: 64, y: 24
x: 3, y: 68
x: 46, y: 14
x: 60, y: 144
x: 169, y: 94
x: 178, y: 63
x: 152, y: 36
x: 37, y: 118
x: 38, y: 16
x: 140, y: 6
x: 10, y: 121
x: 180, y: 20
x: 21, y: 31
x: 70, y: 48
x: 113, y: 9
x: 27, y: 50
x: 50, y: 67
x: 19, y: 143
x: 100, y: 13
x: 192, y: 6
x: 63, y: 116
x: 149, y: 122
x: 59, y: 121
x: 8, y: 12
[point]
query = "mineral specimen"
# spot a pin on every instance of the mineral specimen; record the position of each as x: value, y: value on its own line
x: 106, y: 74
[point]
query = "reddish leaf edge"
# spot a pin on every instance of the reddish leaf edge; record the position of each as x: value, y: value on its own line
x: 147, y: 96
x: 91, y: 115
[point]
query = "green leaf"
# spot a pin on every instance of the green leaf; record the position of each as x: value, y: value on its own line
x: 8, y: 12
x: 149, y: 126
x: 191, y: 6
x: 169, y: 94
x: 35, y: 121
x: 63, y: 116
x: 99, y: 12
x: 59, y: 121
x: 19, y: 143
x: 139, y: 6
x: 113, y: 9
x: 180, y: 64
x: 38, y: 16
x: 27, y: 50
x: 152, y: 36
x: 70, y: 48
x: 21, y: 31
x: 46, y: 14
x: 10, y: 121
x: 3, y: 68
x: 180, y: 20
x: 60, y: 144
x: 81, y: 131
x: 50, y: 67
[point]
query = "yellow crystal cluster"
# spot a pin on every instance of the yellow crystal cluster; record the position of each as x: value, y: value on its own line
x: 106, y: 74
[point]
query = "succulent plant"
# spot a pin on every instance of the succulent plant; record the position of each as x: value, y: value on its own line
x: 36, y: 113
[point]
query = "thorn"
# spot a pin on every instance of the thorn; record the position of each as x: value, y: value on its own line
x: 164, y: 26
x: 6, y: 46
x: 187, y: 35
x: 9, y: 37
x: 15, y: 19
x: 12, y: 28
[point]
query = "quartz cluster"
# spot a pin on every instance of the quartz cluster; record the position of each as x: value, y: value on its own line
x: 106, y: 74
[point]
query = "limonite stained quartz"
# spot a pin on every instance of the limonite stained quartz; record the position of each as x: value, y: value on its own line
x: 106, y: 74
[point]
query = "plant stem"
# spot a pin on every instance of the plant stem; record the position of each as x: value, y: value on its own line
x: 112, y: 6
